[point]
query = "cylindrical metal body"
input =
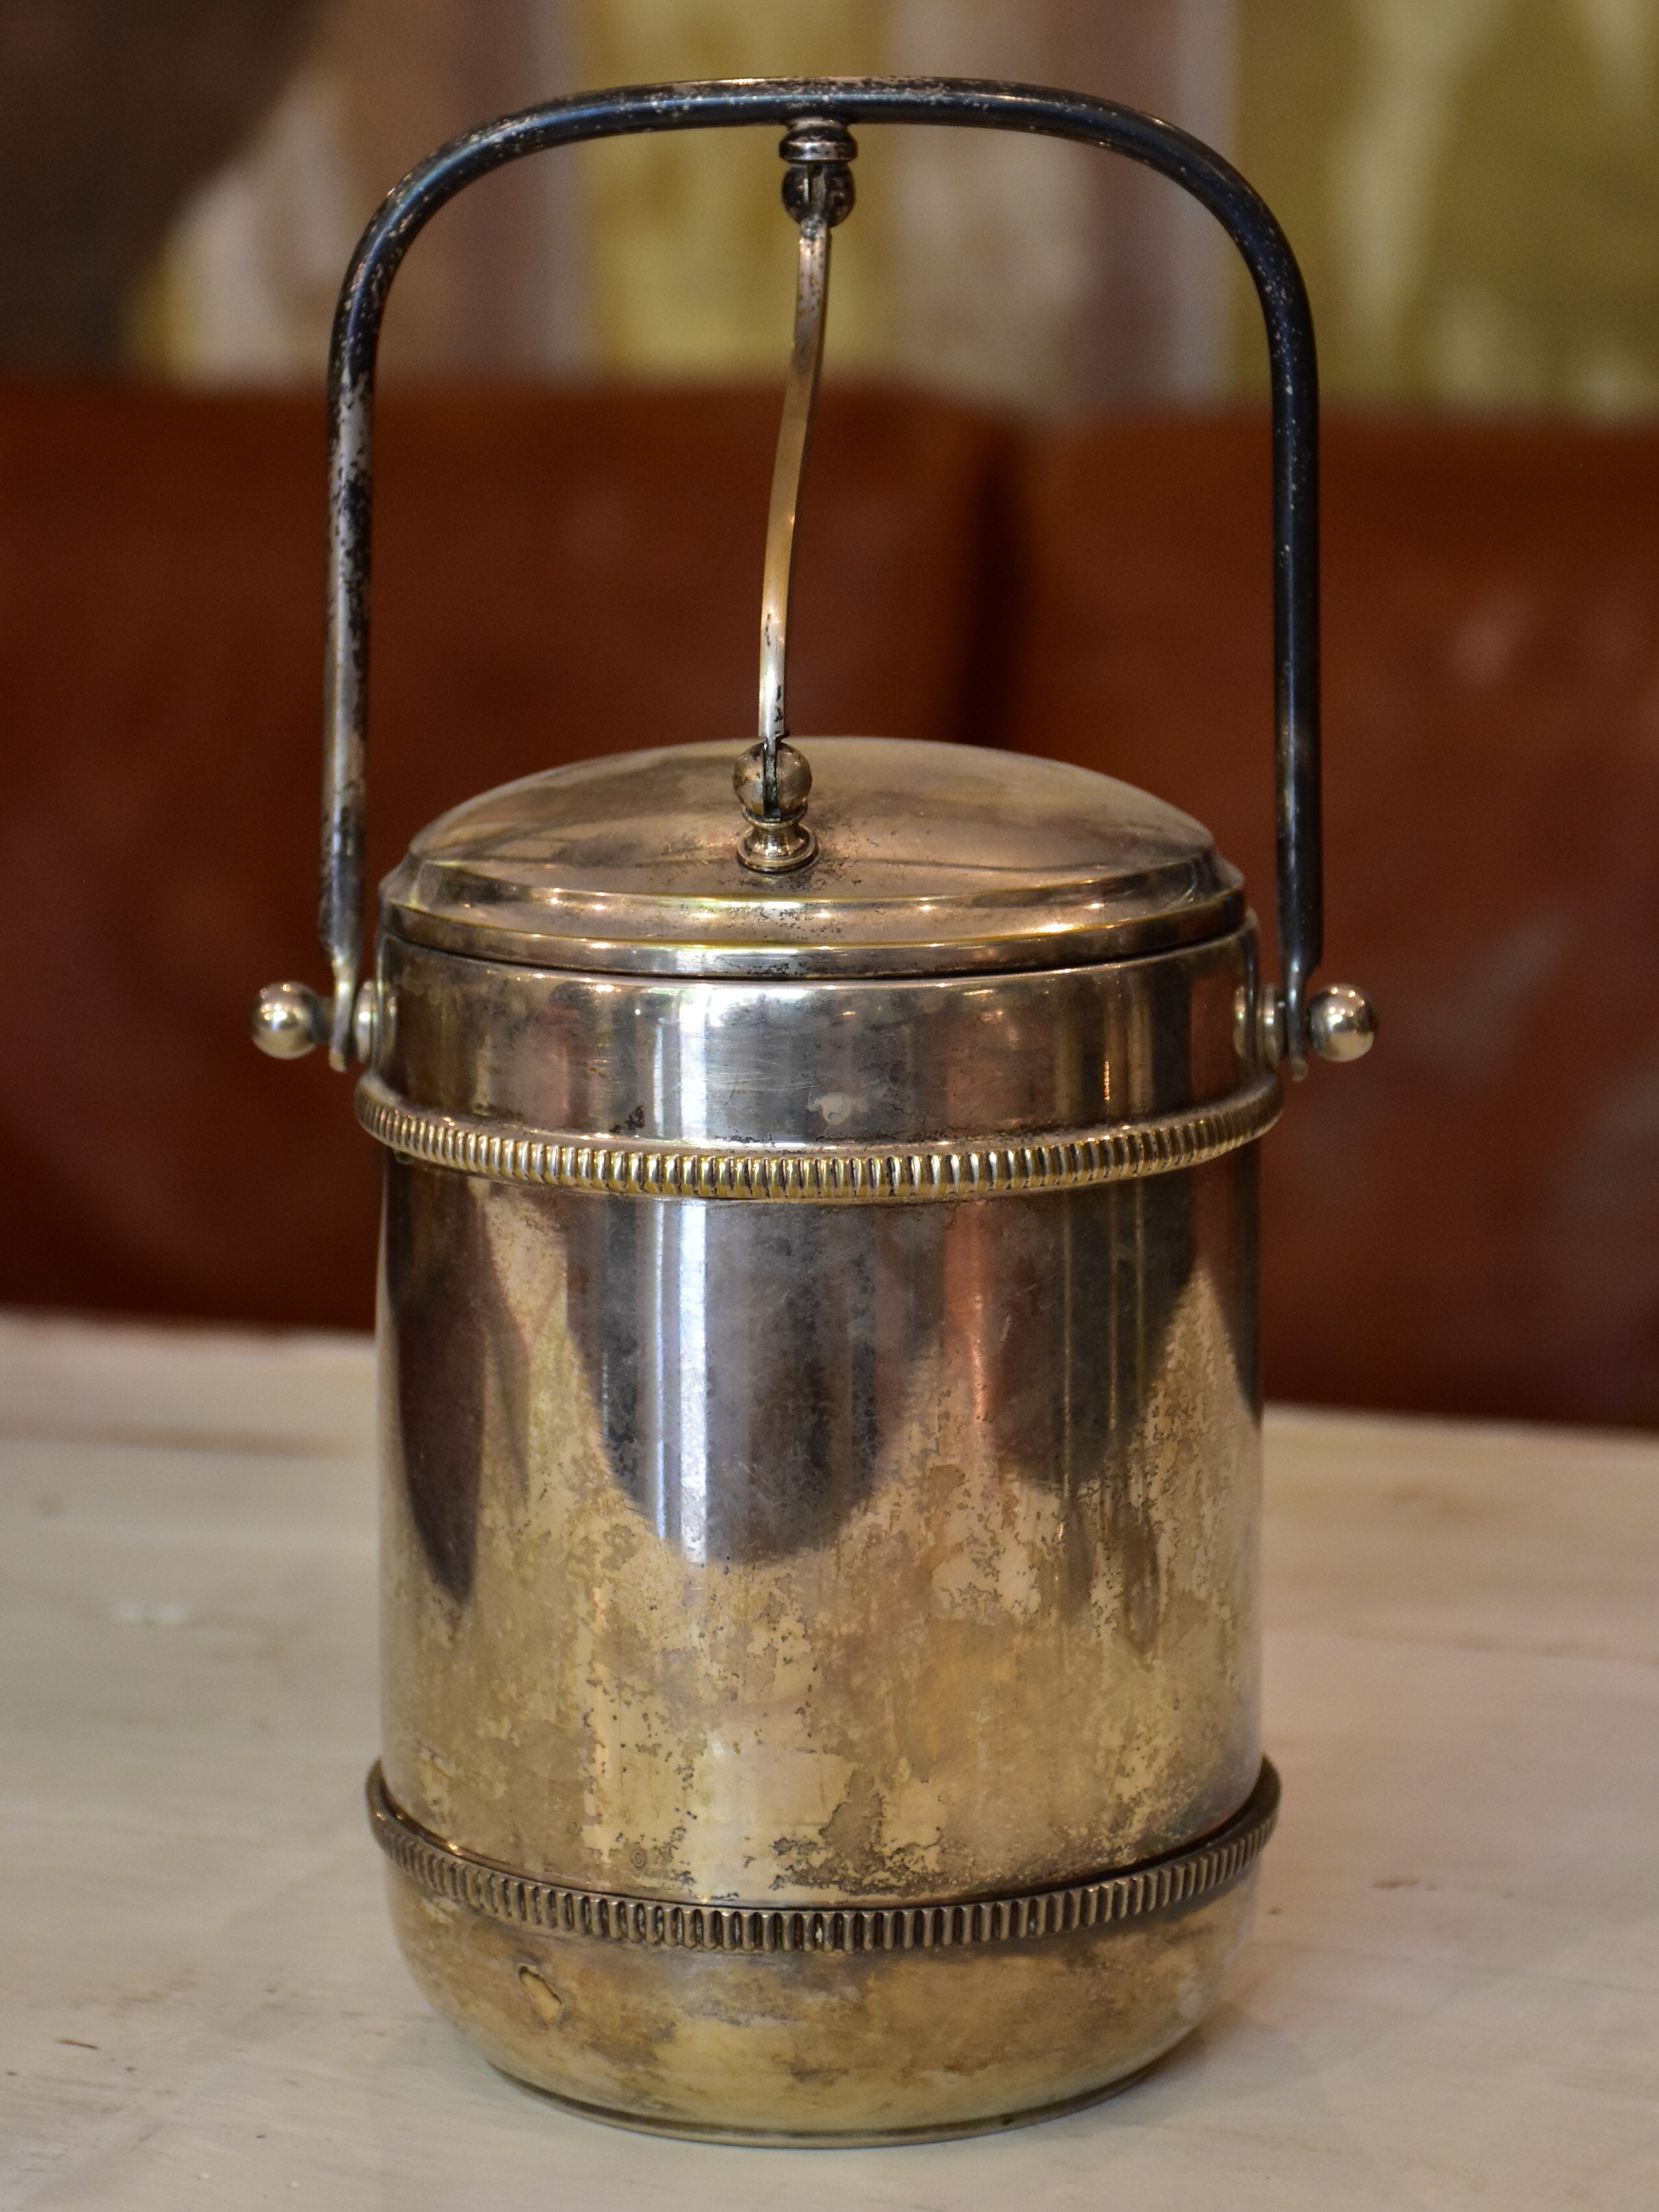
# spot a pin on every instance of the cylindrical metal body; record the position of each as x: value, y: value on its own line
x: 821, y: 1496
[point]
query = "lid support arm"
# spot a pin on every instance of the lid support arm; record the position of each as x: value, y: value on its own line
x: 773, y: 779
x: 794, y: 439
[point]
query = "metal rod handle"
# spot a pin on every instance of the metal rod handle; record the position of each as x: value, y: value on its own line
x: 795, y: 436
x: 1196, y: 167
x: 772, y: 779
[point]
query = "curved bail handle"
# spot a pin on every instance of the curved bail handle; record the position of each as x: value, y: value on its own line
x: 772, y: 779
x: 847, y: 100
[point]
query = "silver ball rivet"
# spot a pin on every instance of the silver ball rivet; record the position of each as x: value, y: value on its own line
x: 288, y: 1020
x: 1341, y: 1022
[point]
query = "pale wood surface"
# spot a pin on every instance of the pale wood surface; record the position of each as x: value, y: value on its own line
x: 1453, y: 1999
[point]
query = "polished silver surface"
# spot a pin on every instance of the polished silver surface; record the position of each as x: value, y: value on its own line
x: 937, y: 860
x: 289, y: 1020
x: 1341, y: 1022
x: 874, y: 1062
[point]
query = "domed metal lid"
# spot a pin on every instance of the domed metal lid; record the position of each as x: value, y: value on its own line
x: 932, y: 859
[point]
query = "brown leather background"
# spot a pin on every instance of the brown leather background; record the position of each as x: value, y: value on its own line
x: 1468, y: 1222
x: 558, y: 575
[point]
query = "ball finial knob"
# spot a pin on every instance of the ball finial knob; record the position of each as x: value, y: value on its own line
x: 288, y: 1020
x: 1341, y: 1022
x: 794, y: 782
x: 776, y: 841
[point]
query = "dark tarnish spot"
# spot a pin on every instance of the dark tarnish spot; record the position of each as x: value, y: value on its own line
x: 450, y: 1325
x: 1136, y: 1546
x: 1127, y: 1257
x: 1127, y: 1260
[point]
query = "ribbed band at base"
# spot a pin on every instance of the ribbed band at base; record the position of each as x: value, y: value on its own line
x: 1204, y: 1868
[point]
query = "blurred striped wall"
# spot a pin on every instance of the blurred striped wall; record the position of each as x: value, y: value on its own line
x: 1472, y: 186
x: 1018, y: 271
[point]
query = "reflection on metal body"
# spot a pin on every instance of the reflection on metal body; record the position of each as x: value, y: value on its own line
x: 844, y: 1556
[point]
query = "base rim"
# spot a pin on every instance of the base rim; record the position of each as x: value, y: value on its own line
x: 851, y: 2139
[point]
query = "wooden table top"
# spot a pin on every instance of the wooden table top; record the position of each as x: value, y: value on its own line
x: 1452, y: 1999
